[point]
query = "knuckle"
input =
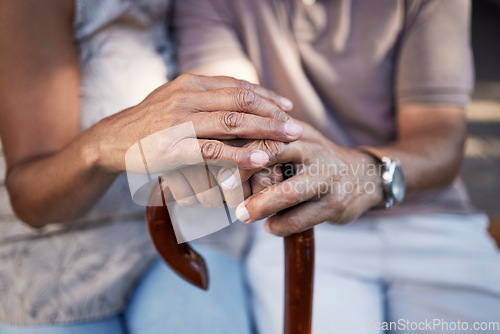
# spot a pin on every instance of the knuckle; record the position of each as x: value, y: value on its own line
x: 273, y: 125
x: 339, y: 219
x: 278, y: 114
x: 294, y: 225
x: 255, y: 144
x: 246, y: 99
x: 185, y: 78
x: 340, y: 207
x: 237, y: 156
x: 231, y: 121
x: 211, y: 149
x: 245, y: 84
x: 273, y: 147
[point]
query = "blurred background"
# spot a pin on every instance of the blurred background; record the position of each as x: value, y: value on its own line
x: 481, y: 168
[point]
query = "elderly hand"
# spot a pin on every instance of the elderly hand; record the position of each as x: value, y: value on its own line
x: 185, y: 123
x: 220, y: 108
x: 332, y: 183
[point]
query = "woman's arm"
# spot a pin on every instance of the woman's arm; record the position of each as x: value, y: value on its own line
x: 50, y: 173
x: 54, y: 174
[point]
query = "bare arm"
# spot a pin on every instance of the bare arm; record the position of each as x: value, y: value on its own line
x: 54, y: 174
x: 429, y: 145
x: 50, y: 175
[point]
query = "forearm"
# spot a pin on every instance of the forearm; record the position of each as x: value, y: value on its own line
x: 430, y: 153
x: 336, y: 184
x: 61, y: 186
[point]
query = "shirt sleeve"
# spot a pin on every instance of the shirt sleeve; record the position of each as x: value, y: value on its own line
x: 435, y: 60
x: 206, y: 33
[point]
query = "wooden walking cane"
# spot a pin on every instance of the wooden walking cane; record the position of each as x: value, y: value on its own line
x: 299, y: 276
x: 188, y: 264
x: 181, y: 258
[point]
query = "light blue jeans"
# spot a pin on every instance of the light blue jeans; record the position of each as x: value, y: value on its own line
x: 164, y: 303
x: 414, y: 270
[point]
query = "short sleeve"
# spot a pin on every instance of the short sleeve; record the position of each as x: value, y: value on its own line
x: 206, y: 33
x: 435, y: 60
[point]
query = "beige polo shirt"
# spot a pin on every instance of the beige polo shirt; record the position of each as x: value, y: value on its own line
x: 346, y: 64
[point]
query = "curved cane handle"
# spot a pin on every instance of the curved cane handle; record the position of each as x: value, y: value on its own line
x: 181, y: 258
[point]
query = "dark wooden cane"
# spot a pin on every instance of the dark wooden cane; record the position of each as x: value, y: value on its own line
x: 181, y: 258
x: 188, y: 264
x: 299, y: 276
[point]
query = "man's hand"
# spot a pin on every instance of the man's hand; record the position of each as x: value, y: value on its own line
x: 337, y: 184
x: 331, y: 183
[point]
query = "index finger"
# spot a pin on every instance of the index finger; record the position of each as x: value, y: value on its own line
x: 300, y: 188
x: 237, y: 99
x: 219, y: 82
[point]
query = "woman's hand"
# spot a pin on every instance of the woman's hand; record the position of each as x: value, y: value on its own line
x: 219, y: 108
x: 181, y: 129
x: 55, y: 173
x: 331, y: 183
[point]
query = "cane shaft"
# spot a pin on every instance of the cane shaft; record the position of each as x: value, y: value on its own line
x: 299, y: 277
x: 299, y: 282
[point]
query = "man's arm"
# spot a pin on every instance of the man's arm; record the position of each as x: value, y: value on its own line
x: 432, y: 86
x: 429, y: 144
x: 208, y: 41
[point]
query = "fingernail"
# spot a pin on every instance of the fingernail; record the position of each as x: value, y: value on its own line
x: 242, y: 213
x: 227, y: 178
x: 286, y: 103
x: 293, y: 129
x: 259, y: 158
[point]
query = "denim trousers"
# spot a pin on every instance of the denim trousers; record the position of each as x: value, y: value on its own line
x: 421, y: 273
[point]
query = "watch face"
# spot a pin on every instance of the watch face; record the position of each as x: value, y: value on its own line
x: 398, y: 185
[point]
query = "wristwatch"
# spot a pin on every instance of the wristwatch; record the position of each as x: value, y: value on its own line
x: 393, y: 182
